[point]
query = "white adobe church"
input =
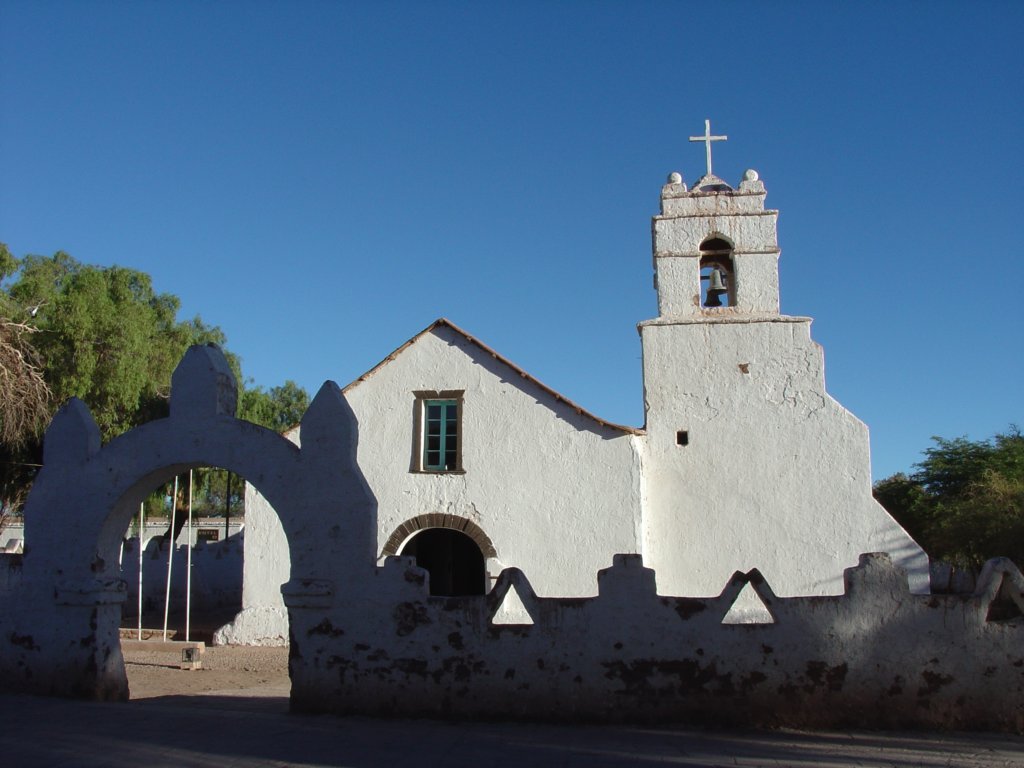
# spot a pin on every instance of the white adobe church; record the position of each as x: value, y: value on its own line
x: 744, y: 461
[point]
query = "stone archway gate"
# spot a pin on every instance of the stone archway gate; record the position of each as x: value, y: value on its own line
x: 59, y: 616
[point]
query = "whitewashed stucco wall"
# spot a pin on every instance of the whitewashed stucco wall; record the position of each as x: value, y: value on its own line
x: 266, y: 565
x: 554, y: 490
x: 776, y: 474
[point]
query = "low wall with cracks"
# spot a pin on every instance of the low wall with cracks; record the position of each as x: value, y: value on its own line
x: 876, y: 656
x: 370, y: 640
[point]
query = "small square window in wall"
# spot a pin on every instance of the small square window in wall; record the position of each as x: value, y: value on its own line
x: 682, y: 437
x: 438, y: 432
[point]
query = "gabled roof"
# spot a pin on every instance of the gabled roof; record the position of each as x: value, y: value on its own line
x: 444, y: 323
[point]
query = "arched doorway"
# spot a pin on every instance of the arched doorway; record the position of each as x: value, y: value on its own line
x: 453, y: 560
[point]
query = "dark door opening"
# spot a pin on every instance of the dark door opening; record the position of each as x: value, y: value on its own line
x: 453, y: 560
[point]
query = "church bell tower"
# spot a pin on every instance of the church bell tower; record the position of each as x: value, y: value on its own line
x: 715, y: 249
x: 748, y: 462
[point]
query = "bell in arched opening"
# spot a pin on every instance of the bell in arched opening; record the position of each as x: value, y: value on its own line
x: 716, y: 273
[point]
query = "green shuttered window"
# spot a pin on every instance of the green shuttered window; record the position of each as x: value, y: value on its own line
x: 441, y: 435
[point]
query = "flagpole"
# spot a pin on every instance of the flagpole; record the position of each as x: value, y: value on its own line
x: 188, y: 570
x: 170, y: 555
x: 142, y: 533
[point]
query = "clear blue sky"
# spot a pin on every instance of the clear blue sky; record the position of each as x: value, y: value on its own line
x: 324, y: 179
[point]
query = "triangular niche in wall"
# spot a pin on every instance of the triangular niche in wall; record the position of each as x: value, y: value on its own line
x: 512, y: 610
x: 748, y: 608
x: 1006, y: 604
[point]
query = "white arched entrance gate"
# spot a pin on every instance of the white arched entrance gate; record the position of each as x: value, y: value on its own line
x: 84, y: 498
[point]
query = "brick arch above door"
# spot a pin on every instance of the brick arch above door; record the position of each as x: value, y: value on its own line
x: 438, y: 520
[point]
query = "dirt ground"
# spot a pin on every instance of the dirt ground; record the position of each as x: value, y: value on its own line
x: 154, y: 669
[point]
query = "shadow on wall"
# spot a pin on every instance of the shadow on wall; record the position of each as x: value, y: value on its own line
x: 876, y: 656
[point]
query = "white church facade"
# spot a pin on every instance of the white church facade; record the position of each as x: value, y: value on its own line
x: 744, y: 460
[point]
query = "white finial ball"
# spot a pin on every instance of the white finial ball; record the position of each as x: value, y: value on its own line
x: 675, y: 178
x: 750, y: 175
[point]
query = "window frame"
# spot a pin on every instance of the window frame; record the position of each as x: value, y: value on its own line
x: 424, y: 398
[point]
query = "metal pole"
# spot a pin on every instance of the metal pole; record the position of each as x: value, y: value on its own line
x: 227, y: 509
x: 188, y: 570
x: 170, y: 555
x: 142, y: 533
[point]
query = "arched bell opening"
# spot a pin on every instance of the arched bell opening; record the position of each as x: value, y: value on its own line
x: 717, y: 274
x: 453, y: 560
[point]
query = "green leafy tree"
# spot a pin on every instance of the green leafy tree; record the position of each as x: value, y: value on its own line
x: 102, y: 334
x: 106, y: 337
x: 965, y: 501
x: 278, y: 408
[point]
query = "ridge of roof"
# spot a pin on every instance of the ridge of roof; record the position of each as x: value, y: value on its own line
x: 446, y: 323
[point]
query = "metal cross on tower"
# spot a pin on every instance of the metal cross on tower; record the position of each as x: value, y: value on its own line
x: 707, y: 138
